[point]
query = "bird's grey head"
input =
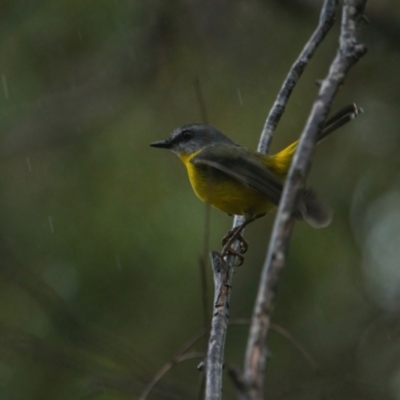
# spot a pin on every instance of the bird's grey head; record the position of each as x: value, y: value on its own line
x: 188, y: 139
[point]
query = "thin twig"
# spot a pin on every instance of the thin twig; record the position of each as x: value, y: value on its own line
x: 296, y: 343
x: 348, y: 54
x: 326, y: 21
x: 207, y: 217
x: 287, y: 335
x: 190, y: 356
x: 224, y: 279
x: 178, y: 357
x: 200, y: 100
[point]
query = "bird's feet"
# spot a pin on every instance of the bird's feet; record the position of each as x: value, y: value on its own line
x: 230, y: 251
x: 229, y: 239
x: 235, y: 234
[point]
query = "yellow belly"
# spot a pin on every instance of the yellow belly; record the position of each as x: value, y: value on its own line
x: 232, y: 198
x: 227, y: 194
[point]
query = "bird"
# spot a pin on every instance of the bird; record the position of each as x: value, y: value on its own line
x: 241, y: 181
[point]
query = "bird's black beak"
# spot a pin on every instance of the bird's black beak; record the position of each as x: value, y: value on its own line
x: 162, y: 144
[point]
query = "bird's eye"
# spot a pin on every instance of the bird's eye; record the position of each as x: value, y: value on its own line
x: 187, y: 135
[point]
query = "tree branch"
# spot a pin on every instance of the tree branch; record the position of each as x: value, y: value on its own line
x: 223, y: 274
x: 348, y: 54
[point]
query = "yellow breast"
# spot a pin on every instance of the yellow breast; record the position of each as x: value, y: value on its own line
x: 224, y: 192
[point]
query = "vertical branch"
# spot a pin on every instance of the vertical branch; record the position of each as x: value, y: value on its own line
x: 348, y: 54
x: 207, y: 217
x: 215, y: 354
x: 200, y: 100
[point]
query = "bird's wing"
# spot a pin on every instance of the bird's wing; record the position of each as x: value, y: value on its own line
x: 243, y: 165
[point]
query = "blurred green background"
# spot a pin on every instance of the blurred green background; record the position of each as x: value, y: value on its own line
x: 101, y: 234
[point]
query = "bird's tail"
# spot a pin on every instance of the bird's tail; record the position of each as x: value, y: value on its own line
x: 342, y: 117
x: 313, y: 210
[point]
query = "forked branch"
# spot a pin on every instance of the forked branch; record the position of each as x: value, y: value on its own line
x: 223, y: 276
x: 349, y: 52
